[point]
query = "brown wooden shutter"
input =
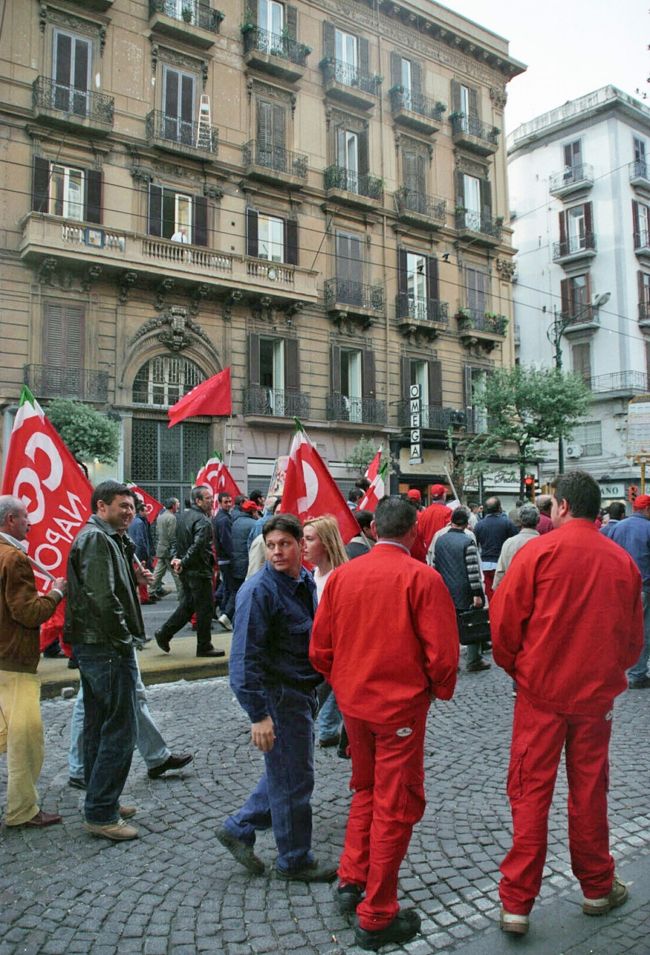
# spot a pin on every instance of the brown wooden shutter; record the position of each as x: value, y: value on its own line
x: 486, y: 199
x: 63, y: 329
x: 291, y: 367
x: 421, y: 173
x: 364, y: 55
x: 252, y: 233
x: 565, y: 297
x: 562, y: 219
x: 368, y: 373
x: 155, y: 209
x: 589, y: 223
x: 253, y: 359
x: 93, y: 209
x: 410, y: 169
x: 402, y: 285
x: 292, y: 22
x: 467, y: 387
x: 395, y: 69
x: 279, y: 123
x: 172, y: 78
x: 40, y: 185
x: 581, y: 360
x: 406, y: 381
x: 635, y: 222
x: 460, y: 189
x: 363, y: 153
x: 416, y: 77
x: 455, y: 96
x: 81, y: 62
x: 251, y: 12
x: 200, y: 220
x: 329, y: 40
x: 473, y: 103
x: 432, y: 278
x: 435, y: 382
x: 291, y: 242
x: 187, y: 99
x: 264, y: 123
x: 335, y: 369
x: 63, y: 59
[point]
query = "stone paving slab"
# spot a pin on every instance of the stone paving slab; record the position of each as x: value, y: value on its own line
x: 176, y: 890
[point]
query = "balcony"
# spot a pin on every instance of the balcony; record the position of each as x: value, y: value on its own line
x: 642, y: 243
x: 176, y: 135
x: 434, y: 418
x: 415, y: 111
x: 355, y: 410
x: 347, y: 84
x: 275, y: 54
x: 269, y: 402
x: 640, y: 175
x: 478, y: 229
x: 345, y: 298
x: 71, y: 108
x: 419, y: 209
x: 428, y: 317
x: 99, y: 5
x: 52, y: 381
x: 619, y: 384
x: 571, y: 179
x: 574, y: 248
x: 48, y: 241
x: 191, y: 21
x: 345, y: 186
x: 470, y: 133
x: 476, y: 327
x: 585, y: 319
x: 274, y: 163
x: 644, y: 315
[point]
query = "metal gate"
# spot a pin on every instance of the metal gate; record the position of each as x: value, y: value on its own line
x: 165, y: 461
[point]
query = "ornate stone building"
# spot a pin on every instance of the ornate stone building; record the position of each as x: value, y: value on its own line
x: 314, y: 195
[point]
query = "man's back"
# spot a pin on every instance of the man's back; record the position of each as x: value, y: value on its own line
x: 491, y: 532
x: 633, y: 534
x: 450, y: 561
x: 165, y: 532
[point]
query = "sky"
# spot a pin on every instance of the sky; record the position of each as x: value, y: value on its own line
x: 570, y: 47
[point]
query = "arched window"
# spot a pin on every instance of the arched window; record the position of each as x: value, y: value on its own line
x: 165, y: 379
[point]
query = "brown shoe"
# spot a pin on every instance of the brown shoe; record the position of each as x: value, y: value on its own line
x: 43, y: 819
x: 477, y: 666
x: 514, y: 924
x: 127, y: 812
x: 605, y: 904
x: 115, y: 831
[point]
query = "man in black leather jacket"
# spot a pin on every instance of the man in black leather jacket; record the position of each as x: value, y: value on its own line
x: 194, y: 563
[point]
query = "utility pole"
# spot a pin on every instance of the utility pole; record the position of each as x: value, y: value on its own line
x: 554, y: 334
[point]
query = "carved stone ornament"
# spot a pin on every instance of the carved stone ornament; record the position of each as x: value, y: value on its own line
x: 233, y: 299
x: 212, y: 191
x: 126, y: 281
x: 46, y: 271
x: 93, y: 273
x: 263, y: 309
x: 506, y: 269
x: 142, y: 175
x: 164, y: 288
x: 199, y: 293
x: 499, y: 96
x: 175, y: 335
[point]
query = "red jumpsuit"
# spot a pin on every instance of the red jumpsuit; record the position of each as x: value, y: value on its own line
x: 385, y: 637
x: 566, y: 624
x: 432, y: 519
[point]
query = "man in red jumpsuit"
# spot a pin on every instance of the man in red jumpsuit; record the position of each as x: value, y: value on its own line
x: 566, y: 624
x: 384, y: 688
x: 432, y: 519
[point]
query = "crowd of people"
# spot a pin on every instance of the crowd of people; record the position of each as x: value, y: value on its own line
x: 347, y: 644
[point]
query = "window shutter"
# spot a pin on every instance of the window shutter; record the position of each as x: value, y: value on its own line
x: 647, y: 363
x: 402, y: 285
x: 251, y: 12
x: 252, y: 239
x: 264, y: 123
x: 395, y: 69
x: 460, y: 189
x: 589, y: 220
x: 406, y: 381
x: 335, y: 369
x: 63, y: 59
x: 468, y: 389
x: 291, y: 242
x: 171, y: 92
x: 364, y: 56
x: 473, y: 103
x: 40, y: 184
x: 253, y: 359
x: 587, y: 301
x: 363, y: 153
x: 368, y: 373
x: 455, y: 96
x: 291, y: 368
x: 81, y: 63
x: 329, y: 40
x: 187, y: 99
x: 486, y: 199
x: 155, y: 210
x: 435, y: 382
x: 581, y: 360
x: 279, y: 137
x: 292, y: 22
x: 421, y: 173
x: 562, y: 218
x: 63, y: 334
x: 416, y: 77
x: 635, y: 221
x: 200, y: 220
x: 409, y: 169
x: 432, y: 278
x: 93, y: 210
x: 565, y: 297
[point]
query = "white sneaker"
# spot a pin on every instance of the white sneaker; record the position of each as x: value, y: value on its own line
x: 514, y: 924
x: 225, y: 622
x: 602, y: 906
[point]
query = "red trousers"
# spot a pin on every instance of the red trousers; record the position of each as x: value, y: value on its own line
x: 488, y: 580
x: 538, y: 738
x: 388, y: 785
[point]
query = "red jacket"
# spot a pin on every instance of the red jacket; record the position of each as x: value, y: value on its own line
x: 385, y: 636
x: 567, y: 620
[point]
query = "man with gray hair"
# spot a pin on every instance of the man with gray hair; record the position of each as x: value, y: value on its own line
x: 529, y: 519
x: 22, y: 610
x: 165, y: 538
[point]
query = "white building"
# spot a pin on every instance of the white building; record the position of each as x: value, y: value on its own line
x: 580, y: 207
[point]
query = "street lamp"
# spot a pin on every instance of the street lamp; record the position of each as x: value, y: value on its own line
x: 555, y: 333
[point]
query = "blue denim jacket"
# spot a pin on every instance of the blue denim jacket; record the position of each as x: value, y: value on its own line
x: 270, y: 645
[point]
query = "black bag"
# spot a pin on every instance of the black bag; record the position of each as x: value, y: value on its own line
x: 474, y: 625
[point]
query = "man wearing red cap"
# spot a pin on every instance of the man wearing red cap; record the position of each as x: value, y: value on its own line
x: 432, y: 519
x: 633, y: 534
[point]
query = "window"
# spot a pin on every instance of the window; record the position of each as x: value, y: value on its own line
x: 353, y: 383
x: 271, y: 237
x: 273, y: 376
x: 472, y: 192
x: 173, y: 213
x: 418, y: 286
x: 164, y: 459
x: 349, y: 268
x: 347, y: 157
x: 178, y: 105
x: 641, y: 223
x: 576, y: 229
x: 348, y: 56
x: 572, y: 159
x: 427, y: 374
x: 477, y: 290
x: 575, y: 296
x: 164, y: 380
x: 644, y: 296
x: 346, y: 49
x: 270, y: 18
x: 474, y: 202
x: 581, y: 361
x: 414, y: 172
x: 66, y: 191
x: 63, y: 334
x: 640, y: 165
x: 71, y: 64
x: 589, y: 436
x: 474, y: 383
x: 271, y: 135
x: 464, y: 103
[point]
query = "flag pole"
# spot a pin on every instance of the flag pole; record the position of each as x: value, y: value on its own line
x: 451, y: 484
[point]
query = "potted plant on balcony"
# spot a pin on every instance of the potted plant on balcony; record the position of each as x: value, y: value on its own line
x: 464, y: 317
x: 187, y: 13
x: 495, y: 323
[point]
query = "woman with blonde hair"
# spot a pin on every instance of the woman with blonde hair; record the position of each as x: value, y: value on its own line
x: 324, y: 549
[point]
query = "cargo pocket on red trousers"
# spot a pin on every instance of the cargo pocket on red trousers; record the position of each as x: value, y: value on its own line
x: 412, y: 801
x: 516, y: 772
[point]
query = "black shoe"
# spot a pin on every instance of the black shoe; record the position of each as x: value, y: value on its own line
x: 329, y: 741
x: 162, y: 641
x: 240, y: 852
x: 72, y: 664
x: 77, y: 783
x: 642, y: 684
x: 172, y: 762
x: 404, y: 927
x: 310, y: 872
x: 477, y: 666
x: 347, y: 896
x: 210, y: 652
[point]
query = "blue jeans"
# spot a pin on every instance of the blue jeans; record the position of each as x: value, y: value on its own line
x: 108, y: 679
x: 152, y: 746
x: 640, y: 669
x: 329, y: 718
x: 282, y: 798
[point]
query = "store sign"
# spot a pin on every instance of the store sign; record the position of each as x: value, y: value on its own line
x: 612, y: 490
x: 415, y: 413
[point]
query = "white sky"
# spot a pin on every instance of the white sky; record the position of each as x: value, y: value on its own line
x: 571, y: 47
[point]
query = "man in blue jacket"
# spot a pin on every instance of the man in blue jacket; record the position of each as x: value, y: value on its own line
x: 633, y: 534
x: 275, y: 684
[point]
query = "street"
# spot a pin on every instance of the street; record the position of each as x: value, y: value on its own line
x: 176, y: 890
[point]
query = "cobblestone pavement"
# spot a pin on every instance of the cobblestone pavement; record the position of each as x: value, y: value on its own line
x: 177, y: 891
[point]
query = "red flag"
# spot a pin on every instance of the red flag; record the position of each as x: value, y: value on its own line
x: 377, y: 489
x: 310, y: 491
x: 42, y: 472
x: 217, y: 477
x: 373, y: 468
x: 153, y: 507
x: 211, y: 397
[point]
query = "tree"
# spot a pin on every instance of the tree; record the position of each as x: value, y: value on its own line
x: 524, y: 406
x: 361, y: 455
x: 89, y: 434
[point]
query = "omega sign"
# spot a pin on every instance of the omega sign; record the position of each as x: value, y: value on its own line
x: 415, y: 412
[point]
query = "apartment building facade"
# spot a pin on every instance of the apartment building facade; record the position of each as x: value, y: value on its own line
x: 580, y: 204
x: 312, y: 194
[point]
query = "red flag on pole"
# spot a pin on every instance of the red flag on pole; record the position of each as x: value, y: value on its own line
x: 309, y: 488
x: 217, y: 476
x: 373, y: 468
x: 153, y: 507
x: 377, y: 489
x: 211, y: 397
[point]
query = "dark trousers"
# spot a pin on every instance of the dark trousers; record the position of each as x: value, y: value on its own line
x: 226, y: 592
x: 196, y: 598
x: 110, y: 730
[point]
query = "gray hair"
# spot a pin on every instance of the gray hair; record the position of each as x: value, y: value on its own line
x: 529, y: 515
x: 9, y: 507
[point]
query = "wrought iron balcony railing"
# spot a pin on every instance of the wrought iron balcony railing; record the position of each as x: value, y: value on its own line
x: 76, y: 103
x: 628, y: 381
x: 338, y: 177
x: 425, y: 310
x: 472, y: 126
x: 279, y: 404
x: 355, y: 294
x: 574, y: 245
x: 276, y: 44
x: 348, y: 75
x: 583, y: 315
x: 195, y: 13
x: 639, y: 170
x: 433, y: 417
x: 180, y: 132
x: 644, y: 313
x: 581, y: 173
x: 641, y: 239
x: 276, y: 158
x: 416, y: 103
x: 476, y: 222
x: 474, y: 319
x: 52, y: 381
x: 408, y: 200
x: 358, y: 410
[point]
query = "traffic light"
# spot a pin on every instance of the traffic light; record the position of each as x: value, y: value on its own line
x: 529, y: 486
x: 632, y: 492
